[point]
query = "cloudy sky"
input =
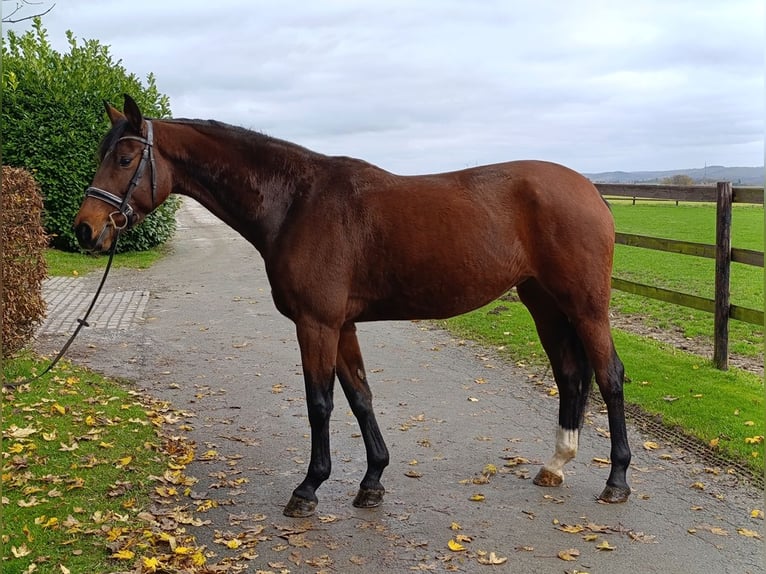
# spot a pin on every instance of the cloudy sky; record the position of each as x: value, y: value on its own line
x: 432, y: 85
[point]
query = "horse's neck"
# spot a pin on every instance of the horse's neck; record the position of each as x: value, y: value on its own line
x: 250, y: 187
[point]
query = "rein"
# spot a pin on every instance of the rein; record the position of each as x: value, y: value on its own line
x: 124, y: 209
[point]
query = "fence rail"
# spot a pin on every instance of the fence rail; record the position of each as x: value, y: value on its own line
x: 723, y: 195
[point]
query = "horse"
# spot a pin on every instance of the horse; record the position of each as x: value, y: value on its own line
x: 344, y: 241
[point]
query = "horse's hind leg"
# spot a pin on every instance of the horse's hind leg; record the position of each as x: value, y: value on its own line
x: 597, y: 338
x: 353, y: 380
x: 571, y: 371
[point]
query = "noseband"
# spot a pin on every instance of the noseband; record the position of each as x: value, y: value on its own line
x: 122, y: 203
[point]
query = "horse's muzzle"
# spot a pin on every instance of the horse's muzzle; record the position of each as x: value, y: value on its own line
x: 86, y: 238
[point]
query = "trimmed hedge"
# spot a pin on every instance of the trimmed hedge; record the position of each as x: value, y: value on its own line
x: 53, y: 120
x: 22, y: 246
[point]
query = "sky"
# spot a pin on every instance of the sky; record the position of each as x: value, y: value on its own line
x: 424, y: 86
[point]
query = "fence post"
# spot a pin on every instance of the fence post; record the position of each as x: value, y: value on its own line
x: 722, y: 272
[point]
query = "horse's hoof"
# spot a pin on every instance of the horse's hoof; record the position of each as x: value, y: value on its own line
x: 367, y: 498
x: 615, y: 494
x: 299, y: 507
x: 547, y: 478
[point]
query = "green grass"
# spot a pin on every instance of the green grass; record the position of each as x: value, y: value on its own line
x: 62, y: 263
x: 684, y: 389
x: 693, y: 275
x: 86, y: 470
x: 78, y: 454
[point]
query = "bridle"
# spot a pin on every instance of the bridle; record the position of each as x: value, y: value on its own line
x: 123, y: 203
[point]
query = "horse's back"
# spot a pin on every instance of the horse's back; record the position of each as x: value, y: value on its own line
x: 442, y: 244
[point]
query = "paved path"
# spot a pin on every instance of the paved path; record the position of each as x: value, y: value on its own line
x: 208, y: 339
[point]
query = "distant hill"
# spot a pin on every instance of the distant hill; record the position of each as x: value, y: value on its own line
x: 737, y: 175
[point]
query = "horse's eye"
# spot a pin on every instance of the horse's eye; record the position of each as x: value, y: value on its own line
x: 125, y: 160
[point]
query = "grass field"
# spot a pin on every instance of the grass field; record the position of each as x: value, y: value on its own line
x: 693, y: 275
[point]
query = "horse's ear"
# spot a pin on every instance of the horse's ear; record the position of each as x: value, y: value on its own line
x: 133, y: 114
x: 113, y: 113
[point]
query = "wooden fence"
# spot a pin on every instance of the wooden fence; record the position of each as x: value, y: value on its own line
x: 723, y: 195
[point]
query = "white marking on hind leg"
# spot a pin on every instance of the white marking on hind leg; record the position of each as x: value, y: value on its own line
x: 566, y: 449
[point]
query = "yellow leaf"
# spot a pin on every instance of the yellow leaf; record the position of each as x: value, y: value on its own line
x: 749, y: 423
x: 183, y: 550
x: 90, y: 421
x: 604, y: 546
x: 553, y: 391
x: 55, y: 407
x: 51, y: 522
x: 651, y: 445
x: 753, y: 439
x: 233, y: 544
x: 16, y: 448
x: 746, y: 532
x: 151, y: 564
x: 124, y: 555
x: 698, y: 486
x: 103, y: 444
x: 569, y: 555
x: 124, y: 461
x: 490, y: 469
x: 756, y: 513
x: 574, y: 529
x: 49, y: 436
x: 718, y: 531
x: 198, y: 559
x: 477, y: 498
x: 714, y: 442
x: 590, y: 537
x: 456, y: 526
x: 64, y: 569
x: 455, y: 546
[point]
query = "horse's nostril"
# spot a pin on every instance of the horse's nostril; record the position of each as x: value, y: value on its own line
x: 84, y: 234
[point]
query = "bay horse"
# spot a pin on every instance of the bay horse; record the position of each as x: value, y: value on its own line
x: 344, y: 241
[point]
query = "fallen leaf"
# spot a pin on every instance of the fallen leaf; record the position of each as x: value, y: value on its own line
x: 651, y: 445
x: 455, y: 546
x: 604, y: 546
x: 747, y: 533
x: 756, y: 513
x: 573, y: 529
x: 491, y: 560
x: 413, y: 474
x: 455, y: 526
x: 569, y: 555
x: 15, y: 432
x: 21, y: 551
x: 477, y: 498
x: 697, y: 486
x: 124, y: 555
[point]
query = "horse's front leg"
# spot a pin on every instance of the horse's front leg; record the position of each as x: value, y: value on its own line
x: 354, y: 382
x: 318, y: 346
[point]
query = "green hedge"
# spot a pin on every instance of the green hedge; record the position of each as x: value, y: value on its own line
x: 53, y: 120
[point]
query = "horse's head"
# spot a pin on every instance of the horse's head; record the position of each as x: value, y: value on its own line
x: 128, y: 184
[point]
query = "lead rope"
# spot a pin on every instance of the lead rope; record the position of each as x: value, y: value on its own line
x: 80, y: 323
